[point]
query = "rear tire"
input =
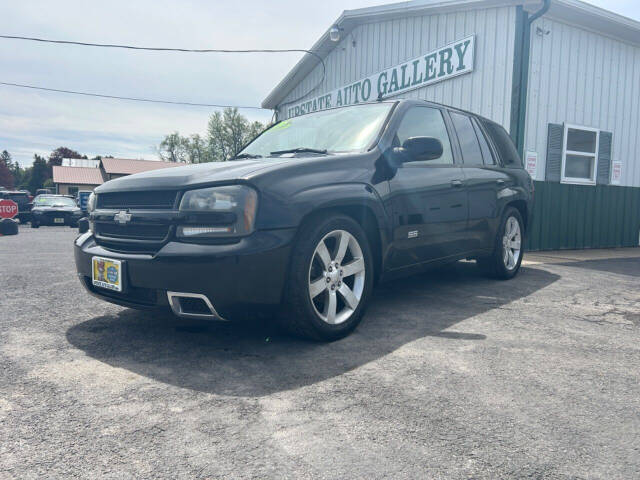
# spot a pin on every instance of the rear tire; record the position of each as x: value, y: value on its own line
x: 34, y: 224
x: 330, y: 279
x: 504, y: 263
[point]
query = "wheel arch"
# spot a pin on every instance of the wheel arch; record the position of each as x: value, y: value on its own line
x: 521, y: 206
x: 365, y: 216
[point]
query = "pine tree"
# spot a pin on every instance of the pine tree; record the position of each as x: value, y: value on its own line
x: 6, y: 178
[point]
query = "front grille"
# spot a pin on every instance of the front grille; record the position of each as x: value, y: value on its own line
x: 133, y: 231
x: 160, y: 199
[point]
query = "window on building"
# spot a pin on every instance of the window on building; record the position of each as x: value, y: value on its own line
x: 471, y: 154
x: 426, y: 122
x: 580, y: 155
x: 73, y: 190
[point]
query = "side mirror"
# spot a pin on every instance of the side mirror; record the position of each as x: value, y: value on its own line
x: 83, y: 225
x: 418, y: 149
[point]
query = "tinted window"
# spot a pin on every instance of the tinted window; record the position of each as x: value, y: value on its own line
x: 426, y: 122
x: 471, y: 154
x: 504, y: 144
x: 487, y: 155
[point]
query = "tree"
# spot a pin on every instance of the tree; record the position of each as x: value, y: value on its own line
x: 197, y: 151
x: 174, y: 148
x: 228, y: 132
x: 39, y: 173
x: 6, y: 177
x: 55, y: 158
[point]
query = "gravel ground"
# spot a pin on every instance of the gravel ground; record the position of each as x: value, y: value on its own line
x: 449, y: 376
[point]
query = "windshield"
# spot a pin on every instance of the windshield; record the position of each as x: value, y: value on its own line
x: 342, y: 130
x: 42, y: 201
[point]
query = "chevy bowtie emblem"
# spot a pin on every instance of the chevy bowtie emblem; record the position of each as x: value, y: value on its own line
x: 122, y: 217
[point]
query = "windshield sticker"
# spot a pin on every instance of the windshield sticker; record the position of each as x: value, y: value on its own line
x: 282, y: 125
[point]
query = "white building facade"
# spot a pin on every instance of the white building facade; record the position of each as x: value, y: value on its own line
x: 562, y: 76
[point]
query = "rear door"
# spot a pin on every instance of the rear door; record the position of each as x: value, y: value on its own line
x: 429, y: 201
x: 484, y: 180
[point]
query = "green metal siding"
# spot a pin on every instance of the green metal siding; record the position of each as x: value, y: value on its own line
x: 581, y: 216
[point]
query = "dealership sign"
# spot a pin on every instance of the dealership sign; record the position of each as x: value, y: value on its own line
x: 441, y: 64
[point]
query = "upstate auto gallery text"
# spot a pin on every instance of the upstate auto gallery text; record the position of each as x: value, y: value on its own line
x: 444, y: 63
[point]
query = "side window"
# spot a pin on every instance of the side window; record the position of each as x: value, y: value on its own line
x: 426, y: 122
x: 504, y: 144
x: 471, y: 154
x: 484, y: 146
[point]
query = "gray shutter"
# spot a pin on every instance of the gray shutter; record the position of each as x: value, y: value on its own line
x: 604, y: 158
x: 555, y: 133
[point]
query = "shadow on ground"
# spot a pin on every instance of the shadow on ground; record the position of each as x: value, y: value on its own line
x: 621, y: 266
x: 253, y: 359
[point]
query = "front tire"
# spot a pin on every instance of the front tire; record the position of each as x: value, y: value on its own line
x: 506, y: 259
x: 34, y: 224
x: 330, y: 279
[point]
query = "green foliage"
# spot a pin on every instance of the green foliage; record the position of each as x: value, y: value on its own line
x: 39, y: 173
x: 174, y: 148
x: 6, y: 177
x: 56, y: 156
x: 227, y: 133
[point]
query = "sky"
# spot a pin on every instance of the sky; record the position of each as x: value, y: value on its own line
x: 38, y: 122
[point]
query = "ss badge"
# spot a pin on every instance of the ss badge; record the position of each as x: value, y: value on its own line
x: 413, y: 234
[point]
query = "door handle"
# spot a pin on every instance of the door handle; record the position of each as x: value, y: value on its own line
x: 500, y: 182
x: 456, y: 183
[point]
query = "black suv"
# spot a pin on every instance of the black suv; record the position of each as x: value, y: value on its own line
x: 55, y: 210
x: 310, y: 215
x: 23, y: 199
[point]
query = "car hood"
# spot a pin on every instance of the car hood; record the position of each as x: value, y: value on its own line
x: 189, y: 175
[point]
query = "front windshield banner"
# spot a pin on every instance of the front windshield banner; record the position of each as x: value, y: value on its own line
x: 340, y: 130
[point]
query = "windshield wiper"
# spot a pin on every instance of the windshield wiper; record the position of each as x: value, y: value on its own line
x: 246, y: 155
x: 299, y: 150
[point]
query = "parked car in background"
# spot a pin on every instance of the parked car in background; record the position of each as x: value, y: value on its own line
x: 23, y: 199
x: 55, y: 210
x: 311, y: 214
x: 44, y: 191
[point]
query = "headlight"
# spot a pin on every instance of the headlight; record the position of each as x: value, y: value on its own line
x: 219, y: 212
x: 91, y: 202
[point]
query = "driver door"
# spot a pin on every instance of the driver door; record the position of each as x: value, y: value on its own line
x: 429, y: 201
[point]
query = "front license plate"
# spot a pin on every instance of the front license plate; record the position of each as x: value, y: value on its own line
x: 106, y: 273
x: 58, y: 220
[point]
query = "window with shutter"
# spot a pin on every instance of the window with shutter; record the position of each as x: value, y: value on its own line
x: 604, y: 158
x: 580, y: 155
x: 555, y: 143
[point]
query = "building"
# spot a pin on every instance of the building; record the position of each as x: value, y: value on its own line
x: 80, y: 174
x: 70, y: 180
x: 561, y: 76
x: 80, y: 162
x: 119, y: 167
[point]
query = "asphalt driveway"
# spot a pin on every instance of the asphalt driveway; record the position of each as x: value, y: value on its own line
x: 450, y: 375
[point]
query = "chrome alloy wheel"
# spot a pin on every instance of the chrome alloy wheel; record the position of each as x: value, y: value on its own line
x: 511, y: 243
x: 336, y: 277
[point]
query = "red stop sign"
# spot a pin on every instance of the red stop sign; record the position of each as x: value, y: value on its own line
x: 8, y: 208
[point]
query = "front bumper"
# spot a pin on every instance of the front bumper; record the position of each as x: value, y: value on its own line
x: 48, y: 218
x: 238, y: 278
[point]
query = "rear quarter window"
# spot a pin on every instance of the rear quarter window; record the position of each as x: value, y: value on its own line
x: 504, y: 144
